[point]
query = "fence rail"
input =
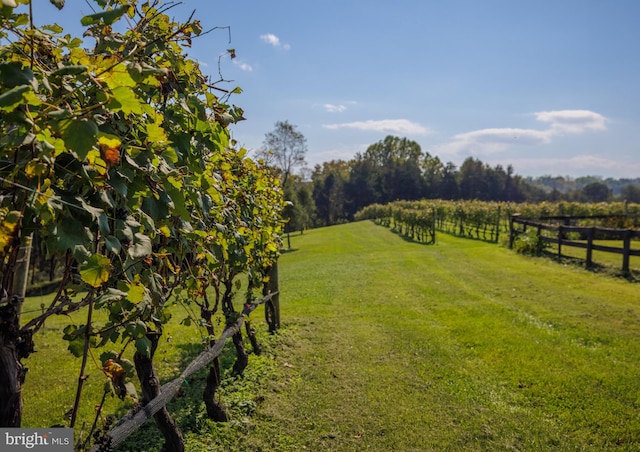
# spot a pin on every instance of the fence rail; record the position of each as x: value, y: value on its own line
x: 565, y: 236
x: 133, y: 420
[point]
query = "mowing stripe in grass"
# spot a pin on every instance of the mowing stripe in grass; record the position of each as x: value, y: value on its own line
x: 463, y: 344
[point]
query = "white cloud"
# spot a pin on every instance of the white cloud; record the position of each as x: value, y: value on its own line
x: 243, y: 66
x: 572, y: 121
x: 402, y: 126
x: 494, y: 140
x: 334, y: 108
x: 577, y: 165
x: 505, y: 135
x: 273, y: 40
x: 491, y: 141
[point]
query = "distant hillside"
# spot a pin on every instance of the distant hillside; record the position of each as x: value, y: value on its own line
x: 565, y: 184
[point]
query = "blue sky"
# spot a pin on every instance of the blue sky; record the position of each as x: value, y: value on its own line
x: 551, y: 87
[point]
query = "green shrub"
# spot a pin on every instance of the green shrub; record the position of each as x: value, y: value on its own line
x: 530, y: 243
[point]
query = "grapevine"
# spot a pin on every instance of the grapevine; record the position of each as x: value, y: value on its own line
x: 119, y: 159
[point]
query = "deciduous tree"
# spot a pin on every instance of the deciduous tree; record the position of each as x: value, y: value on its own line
x: 284, y: 148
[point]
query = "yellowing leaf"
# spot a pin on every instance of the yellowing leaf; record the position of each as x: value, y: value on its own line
x: 109, y: 149
x: 51, y: 142
x: 96, y: 270
x: 156, y: 135
x: 110, y: 141
x: 78, y: 55
x: 113, y: 369
x: 136, y: 293
x: 119, y: 76
x: 125, y: 100
x: 7, y: 228
x: 36, y: 169
x: 95, y: 161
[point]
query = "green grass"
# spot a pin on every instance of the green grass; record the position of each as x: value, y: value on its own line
x: 392, y: 345
x: 459, y: 345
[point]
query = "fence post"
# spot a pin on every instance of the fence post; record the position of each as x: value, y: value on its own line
x: 512, y: 230
x: 498, y: 225
x: 590, y: 235
x: 21, y: 273
x: 433, y: 226
x: 626, y: 253
x: 560, y: 236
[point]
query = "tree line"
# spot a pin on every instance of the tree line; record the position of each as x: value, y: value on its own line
x: 587, y: 188
x: 398, y: 169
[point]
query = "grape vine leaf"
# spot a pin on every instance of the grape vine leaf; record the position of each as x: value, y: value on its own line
x: 8, y: 226
x: 14, y: 74
x: 76, y: 347
x: 79, y: 135
x: 143, y: 346
x: 136, y: 293
x: 68, y: 235
x: 125, y: 100
x: 12, y: 98
x: 98, y: 215
x: 109, y: 295
x: 105, y: 17
x: 140, y: 246
x: 113, y: 244
x: 96, y: 270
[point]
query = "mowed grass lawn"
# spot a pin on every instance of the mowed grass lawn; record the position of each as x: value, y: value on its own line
x: 459, y: 346
x: 389, y: 345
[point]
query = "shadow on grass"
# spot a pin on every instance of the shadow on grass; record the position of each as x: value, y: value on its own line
x: 187, y: 407
x: 191, y: 351
x: 408, y: 238
x: 44, y: 288
x: 470, y: 237
x: 632, y: 276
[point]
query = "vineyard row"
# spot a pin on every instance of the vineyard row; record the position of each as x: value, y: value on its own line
x: 482, y: 220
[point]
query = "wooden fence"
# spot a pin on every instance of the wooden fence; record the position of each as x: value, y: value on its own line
x: 565, y: 234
